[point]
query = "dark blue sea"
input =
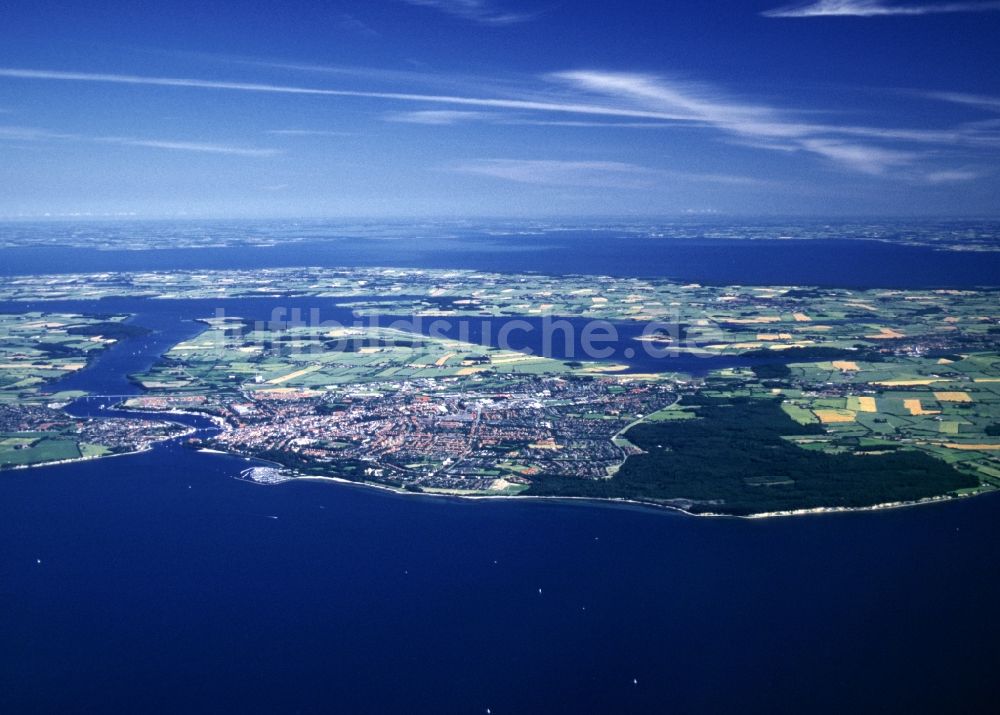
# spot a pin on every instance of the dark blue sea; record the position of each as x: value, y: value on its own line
x: 166, y: 586
x: 720, y: 261
x: 158, y: 583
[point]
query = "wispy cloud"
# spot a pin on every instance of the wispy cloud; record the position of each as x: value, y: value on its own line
x: 31, y: 134
x: 767, y: 127
x: 538, y: 105
x: 603, y: 174
x: 353, y: 24
x: 199, y: 147
x: 592, y: 125
x: 594, y: 174
x: 951, y: 176
x: 437, y: 117
x: 876, y: 8
x: 34, y: 134
x: 484, y: 12
x: 979, y: 101
x: 596, y: 97
x: 308, y: 133
x: 860, y: 157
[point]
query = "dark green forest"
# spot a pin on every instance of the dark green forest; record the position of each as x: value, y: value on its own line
x: 734, y: 460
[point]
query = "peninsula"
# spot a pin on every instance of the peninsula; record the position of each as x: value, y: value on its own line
x: 711, y: 399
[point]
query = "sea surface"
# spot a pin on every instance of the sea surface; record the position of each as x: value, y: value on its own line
x: 719, y: 261
x: 158, y: 583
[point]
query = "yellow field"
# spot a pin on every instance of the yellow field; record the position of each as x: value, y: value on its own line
x: 906, y: 383
x: 293, y: 375
x: 774, y: 336
x: 735, y: 346
x: 916, y: 409
x: 443, y: 360
x: 846, y: 365
x: 973, y: 447
x: 829, y: 417
x: 753, y: 321
x: 517, y: 357
x: 886, y: 334
x: 801, y: 318
x: 605, y: 368
x: 71, y: 366
x: 797, y: 344
x: 867, y: 404
x: 953, y: 396
x: 472, y: 370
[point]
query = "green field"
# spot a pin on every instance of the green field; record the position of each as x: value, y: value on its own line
x: 221, y: 360
x: 36, y: 450
x: 38, y: 347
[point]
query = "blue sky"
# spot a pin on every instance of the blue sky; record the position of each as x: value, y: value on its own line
x: 509, y: 108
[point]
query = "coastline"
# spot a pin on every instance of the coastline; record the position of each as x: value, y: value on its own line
x: 221, y: 424
x: 635, y: 503
x: 147, y: 448
x: 591, y: 501
x: 677, y: 505
x: 58, y: 462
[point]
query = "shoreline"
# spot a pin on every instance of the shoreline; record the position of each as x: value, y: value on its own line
x: 221, y: 424
x: 59, y: 462
x: 592, y: 501
x: 622, y: 502
x: 152, y: 445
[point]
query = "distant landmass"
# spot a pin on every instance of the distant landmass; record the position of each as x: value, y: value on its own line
x: 741, y: 400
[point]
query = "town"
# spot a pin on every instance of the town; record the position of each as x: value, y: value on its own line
x: 440, y: 434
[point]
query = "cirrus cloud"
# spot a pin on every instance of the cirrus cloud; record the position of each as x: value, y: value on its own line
x: 34, y: 134
x: 875, y: 8
x: 593, y: 174
x: 436, y: 117
x: 483, y: 12
x: 640, y: 99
